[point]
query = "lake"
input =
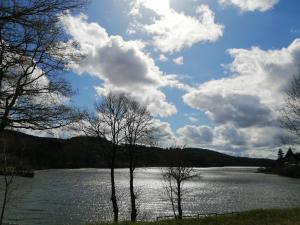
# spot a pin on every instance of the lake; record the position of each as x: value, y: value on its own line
x: 74, y: 197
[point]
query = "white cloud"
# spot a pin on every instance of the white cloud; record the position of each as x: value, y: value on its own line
x: 267, y: 137
x: 171, y: 30
x: 122, y: 65
x: 250, y: 142
x: 178, y: 60
x: 37, y: 83
x: 261, y: 77
x: 63, y: 132
x: 162, y: 58
x: 195, y: 135
x: 229, y: 135
x: 193, y: 119
x: 251, y: 5
x: 175, y: 81
x: 164, y: 133
x: 239, y: 109
x: 245, y: 104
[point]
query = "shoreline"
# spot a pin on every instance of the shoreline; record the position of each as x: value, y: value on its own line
x: 275, y: 216
x: 284, y: 171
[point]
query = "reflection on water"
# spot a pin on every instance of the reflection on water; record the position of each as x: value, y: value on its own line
x: 73, y: 197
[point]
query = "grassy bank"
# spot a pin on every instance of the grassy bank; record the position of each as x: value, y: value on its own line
x: 254, y: 217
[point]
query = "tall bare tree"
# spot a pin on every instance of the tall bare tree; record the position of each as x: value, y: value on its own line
x: 33, y: 50
x: 139, y: 130
x: 108, y: 123
x: 291, y: 111
x: 174, y: 178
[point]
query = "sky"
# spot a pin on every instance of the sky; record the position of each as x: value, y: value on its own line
x: 214, y: 73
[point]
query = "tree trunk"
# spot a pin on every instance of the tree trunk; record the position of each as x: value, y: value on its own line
x: 179, y: 200
x: 113, y: 188
x: 132, y: 197
x: 4, y: 202
x: 2, y: 126
x: 171, y: 197
x: 131, y: 187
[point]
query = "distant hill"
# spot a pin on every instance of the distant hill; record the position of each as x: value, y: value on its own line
x: 89, y: 152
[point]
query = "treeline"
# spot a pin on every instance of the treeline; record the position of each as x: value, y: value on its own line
x: 286, y: 164
x: 290, y: 158
x: 83, y: 152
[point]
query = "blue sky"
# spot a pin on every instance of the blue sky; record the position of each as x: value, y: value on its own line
x: 207, y: 65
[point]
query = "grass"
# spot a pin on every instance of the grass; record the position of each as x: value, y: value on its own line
x: 253, y: 217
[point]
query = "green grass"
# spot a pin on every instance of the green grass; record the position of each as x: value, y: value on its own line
x: 254, y: 217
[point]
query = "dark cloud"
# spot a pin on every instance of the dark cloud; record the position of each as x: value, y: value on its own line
x: 123, y: 65
x: 231, y: 135
x: 239, y: 109
x: 194, y: 134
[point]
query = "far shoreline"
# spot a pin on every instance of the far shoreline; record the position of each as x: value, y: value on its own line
x: 284, y: 171
x: 148, y: 167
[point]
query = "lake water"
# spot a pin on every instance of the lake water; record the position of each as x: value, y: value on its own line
x: 74, y: 197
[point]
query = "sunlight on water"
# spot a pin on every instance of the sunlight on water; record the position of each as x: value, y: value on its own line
x: 73, y: 197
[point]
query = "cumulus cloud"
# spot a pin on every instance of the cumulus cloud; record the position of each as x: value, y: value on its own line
x: 240, y: 109
x: 178, y: 60
x: 192, y: 135
x: 171, y: 30
x: 245, y: 104
x: 229, y: 135
x: 122, y: 65
x: 267, y: 137
x: 259, y: 77
x: 164, y: 132
x: 251, y: 5
x: 162, y: 58
x: 226, y: 138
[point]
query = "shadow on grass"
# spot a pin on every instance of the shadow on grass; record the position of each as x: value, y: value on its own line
x: 254, y: 217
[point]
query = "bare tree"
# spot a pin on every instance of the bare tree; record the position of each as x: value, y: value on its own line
x: 108, y: 124
x: 33, y: 49
x: 291, y: 111
x: 169, y: 190
x: 174, y: 178
x: 23, y: 11
x: 138, y: 131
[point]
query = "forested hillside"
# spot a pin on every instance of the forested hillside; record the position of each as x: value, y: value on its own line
x: 79, y: 152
